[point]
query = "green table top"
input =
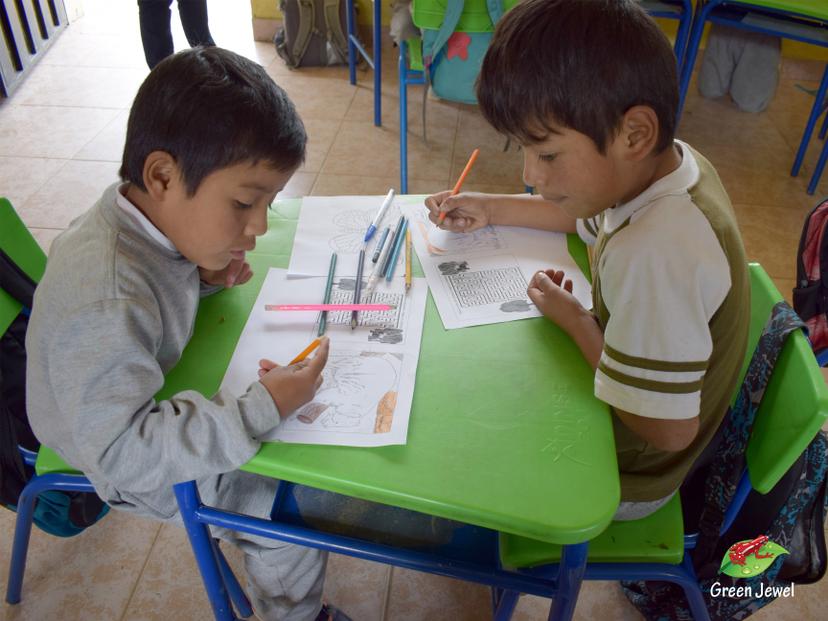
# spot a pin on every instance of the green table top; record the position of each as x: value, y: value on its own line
x: 504, y: 433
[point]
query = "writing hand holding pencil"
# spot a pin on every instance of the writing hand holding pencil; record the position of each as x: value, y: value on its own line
x: 294, y: 385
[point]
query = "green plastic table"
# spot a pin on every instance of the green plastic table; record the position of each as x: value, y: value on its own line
x: 504, y: 433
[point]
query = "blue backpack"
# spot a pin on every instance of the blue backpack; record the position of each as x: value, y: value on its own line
x: 456, y: 35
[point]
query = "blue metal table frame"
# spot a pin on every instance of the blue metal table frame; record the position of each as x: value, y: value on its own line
x: 374, y: 60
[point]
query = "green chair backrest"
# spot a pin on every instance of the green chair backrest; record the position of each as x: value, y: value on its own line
x: 795, y: 405
x: 21, y: 247
x: 817, y: 9
x: 475, y: 17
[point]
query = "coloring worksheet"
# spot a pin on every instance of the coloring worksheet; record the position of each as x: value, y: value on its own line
x: 337, y: 224
x: 368, y: 382
x: 481, y: 277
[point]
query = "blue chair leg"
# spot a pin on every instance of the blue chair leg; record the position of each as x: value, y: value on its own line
x: 681, y: 35
x: 202, y: 544
x: 377, y: 62
x: 823, y: 158
x: 349, y: 20
x: 25, y: 518
x: 403, y: 71
x: 506, y: 604
x: 692, y: 592
x: 824, y: 128
x: 692, y: 52
x: 235, y: 590
x: 812, y: 119
x: 572, y: 567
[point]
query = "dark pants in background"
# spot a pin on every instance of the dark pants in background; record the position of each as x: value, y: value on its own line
x: 156, y: 33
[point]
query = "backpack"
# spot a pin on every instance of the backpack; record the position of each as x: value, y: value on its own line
x: 790, y: 515
x: 810, y: 296
x: 314, y: 33
x: 456, y: 36
x: 58, y: 513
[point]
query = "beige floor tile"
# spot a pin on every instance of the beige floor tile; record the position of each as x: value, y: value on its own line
x: 300, y: 184
x: 170, y: 586
x: 108, y: 145
x: 362, y: 149
x: 417, y: 596
x: 786, y: 286
x: 321, y: 135
x: 318, y: 93
x: 771, y: 235
x: 45, y: 237
x: 339, y: 185
x: 440, y: 115
x: 21, y: 177
x: 49, y: 131
x: 77, y: 49
x: 598, y: 601
x: 791, y: 107
x: 68, y: 194
x: 357, y: 587
x: 84, y: 87
x: 494, y: 166
x: 89, y: 576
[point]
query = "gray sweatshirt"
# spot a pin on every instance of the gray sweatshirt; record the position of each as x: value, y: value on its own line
x: 111, y: 316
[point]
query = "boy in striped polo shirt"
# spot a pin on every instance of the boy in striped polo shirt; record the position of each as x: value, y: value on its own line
x: 589, y: 89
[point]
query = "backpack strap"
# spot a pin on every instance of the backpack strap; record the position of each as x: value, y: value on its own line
x: 729, y: 462
x: 333, y: 23
x: 303, y: 32
x: 495, y: 8
x: 454, y: 9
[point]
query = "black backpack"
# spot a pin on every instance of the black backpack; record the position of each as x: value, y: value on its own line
x: 57, y: 512
x: 810, y: 296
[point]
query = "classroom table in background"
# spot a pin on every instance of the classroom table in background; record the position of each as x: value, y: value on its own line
x: 505, y: 432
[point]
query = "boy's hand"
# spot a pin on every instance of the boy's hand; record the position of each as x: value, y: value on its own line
x: 293, y: 386
x: 551, y: 292
x: 465, y: 212
x: 237, y: 272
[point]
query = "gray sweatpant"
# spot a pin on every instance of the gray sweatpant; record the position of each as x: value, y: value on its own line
x: 284, y: 581
x: 745, y: 64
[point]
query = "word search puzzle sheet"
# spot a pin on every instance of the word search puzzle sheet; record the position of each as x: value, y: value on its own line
x: 481, y: 277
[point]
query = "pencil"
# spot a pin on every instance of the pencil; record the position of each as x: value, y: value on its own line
x: 460, y: 181
x: 395, y: 253
x: 306, y: 352
x: 323, y: 317
x: 357, y: 287
x: 407, y: 260
x: 392, y: 243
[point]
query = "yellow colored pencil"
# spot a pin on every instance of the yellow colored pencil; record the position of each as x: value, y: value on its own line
x: 306, y: 352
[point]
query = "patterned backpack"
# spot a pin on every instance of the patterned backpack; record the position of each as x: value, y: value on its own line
x: 810, y: 296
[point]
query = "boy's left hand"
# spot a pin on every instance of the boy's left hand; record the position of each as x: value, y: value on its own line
x: 237, y: 272
x: 551, y: 292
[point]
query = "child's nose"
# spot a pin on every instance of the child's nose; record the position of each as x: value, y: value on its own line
x: 257, y: 224
x: 530, y: 171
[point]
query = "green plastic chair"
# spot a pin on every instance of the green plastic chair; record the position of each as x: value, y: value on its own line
x: 794, y: 409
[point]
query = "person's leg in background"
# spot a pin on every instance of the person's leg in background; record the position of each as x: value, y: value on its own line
x: 193, y: 15
x: 156, y: 36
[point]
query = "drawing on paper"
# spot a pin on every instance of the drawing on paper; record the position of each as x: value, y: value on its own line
x: 504, y: 286
x: 342, y: 292
x: 350, y: 227
x: 358, y: 394
x: 442, y: 242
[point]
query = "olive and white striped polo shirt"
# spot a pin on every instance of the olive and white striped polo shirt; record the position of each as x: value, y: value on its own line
x: 671, y: 293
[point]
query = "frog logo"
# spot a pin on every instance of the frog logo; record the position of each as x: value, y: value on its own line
x: 750, y: 557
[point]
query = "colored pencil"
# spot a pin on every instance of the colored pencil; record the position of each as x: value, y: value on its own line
x: 380, y: 245
x: 323, y: 317
x: 395, y: 253
x: 407, y: 260
x: 306, y: 352
x: 357, y: 287
x: 460, y: 181
x: 329, y: 307
x: 397, y: 232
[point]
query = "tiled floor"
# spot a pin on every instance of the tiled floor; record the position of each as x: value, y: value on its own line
x: 61, y: 137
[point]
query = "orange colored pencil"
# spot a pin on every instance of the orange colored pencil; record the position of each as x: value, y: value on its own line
x: 306, y: 352
x: 460, y: 181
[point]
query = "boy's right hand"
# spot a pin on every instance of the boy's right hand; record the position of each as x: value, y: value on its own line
x: 465, y: 212
x: 293, y: 386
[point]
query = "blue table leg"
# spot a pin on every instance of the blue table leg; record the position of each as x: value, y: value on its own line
x: 572, y: 567
x: 403, y: 71
x: 349, y: 20
x: 377, y: 62
x: 692, y: 51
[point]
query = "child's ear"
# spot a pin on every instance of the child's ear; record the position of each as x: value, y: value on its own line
x: 639, y: 132
x: 160, y: 174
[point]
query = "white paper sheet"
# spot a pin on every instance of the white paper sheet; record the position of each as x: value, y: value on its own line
x: 368, y: 383
x: 337, y: 224
x: 481, y: 277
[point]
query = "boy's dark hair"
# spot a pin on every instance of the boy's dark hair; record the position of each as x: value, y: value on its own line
x: 210, y: 108
x: 580, y: 64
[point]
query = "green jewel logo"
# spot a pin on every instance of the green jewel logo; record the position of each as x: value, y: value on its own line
x: 750, y: 557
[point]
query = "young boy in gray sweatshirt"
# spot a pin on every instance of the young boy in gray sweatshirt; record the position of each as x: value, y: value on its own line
x: 211, y: 140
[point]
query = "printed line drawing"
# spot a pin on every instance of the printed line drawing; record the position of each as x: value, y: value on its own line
x: 485, y: 239
x: 358, y: 395
x: 351, y: 225
x: 342, y: 292
x: 490, y: 286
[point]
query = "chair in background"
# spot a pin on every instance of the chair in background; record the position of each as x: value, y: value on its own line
x: 412, y: 71
x: 374, y: 60
x: 793, y: 410
x: 51, y: 472
x: 799, y: 20
x: 819, y: 107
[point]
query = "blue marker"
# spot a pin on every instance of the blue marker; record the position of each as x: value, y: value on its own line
x: 372, y: 228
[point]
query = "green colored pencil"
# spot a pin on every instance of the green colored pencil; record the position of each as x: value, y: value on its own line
x: 323, y: 317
